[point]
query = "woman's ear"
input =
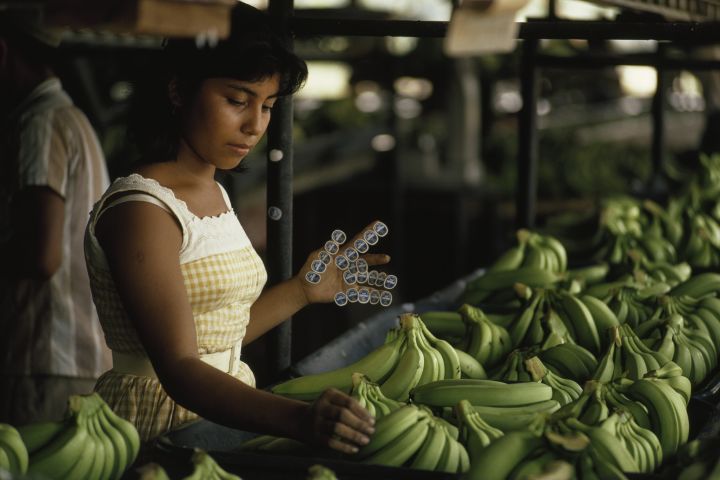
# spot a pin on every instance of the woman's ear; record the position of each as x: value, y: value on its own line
x: 174, y: 93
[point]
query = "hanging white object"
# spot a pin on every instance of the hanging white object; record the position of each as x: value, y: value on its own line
x: 479, y: 27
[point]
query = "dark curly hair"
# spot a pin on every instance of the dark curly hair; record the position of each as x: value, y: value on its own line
x: 253, y: 51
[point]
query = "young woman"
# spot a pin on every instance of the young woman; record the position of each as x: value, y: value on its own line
x: 178, y: 287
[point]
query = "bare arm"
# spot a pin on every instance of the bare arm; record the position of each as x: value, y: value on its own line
x: 142, y: 244
x: 35, y: 249
x: 281, y: 301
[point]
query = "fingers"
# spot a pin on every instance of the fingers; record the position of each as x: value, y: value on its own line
x: 343, y: 424
x: 376, y: 258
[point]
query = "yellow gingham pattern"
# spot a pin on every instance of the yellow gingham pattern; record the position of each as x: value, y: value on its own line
x: 221, y: 288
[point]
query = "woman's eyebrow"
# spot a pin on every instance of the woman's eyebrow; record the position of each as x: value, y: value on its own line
x: 248, y: 90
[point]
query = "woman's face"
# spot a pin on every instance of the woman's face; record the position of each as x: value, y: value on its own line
x: 228, y: 117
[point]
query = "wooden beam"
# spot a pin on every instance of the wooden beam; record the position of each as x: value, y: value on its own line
x: 167, y: 18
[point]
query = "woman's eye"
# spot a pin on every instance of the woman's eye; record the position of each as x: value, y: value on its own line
x: 268, y: 108
x: 237, y: 103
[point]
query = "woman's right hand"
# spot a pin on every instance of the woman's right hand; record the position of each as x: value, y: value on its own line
x: 338, y: 421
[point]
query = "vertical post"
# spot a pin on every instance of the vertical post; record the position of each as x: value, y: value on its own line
x: 658, y: 122
x: 527, y: 136
x: 280, y: 199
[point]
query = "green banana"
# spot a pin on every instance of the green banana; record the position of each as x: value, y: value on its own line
x: 448, y: 354
x: 666, y: 408
x: 377, y: 365
x: 407, y: 372
x: 447, y: 393
x: 402, y: 447
x: 515, y: 418
x: 510, y: 260
x: 12, y: 444
x: 428, y: 456
x: 499, y: 280
x: 37, y: 435
x: 110, y: 465
x: 582, y: 322
x: 128, y: 431
x: 57, y: 457
x: 498, y: 459
x: 389, y: 427
x: 470, y: 367
x: 602, y: 315
x: 698, y: 286
x: 444, y: 324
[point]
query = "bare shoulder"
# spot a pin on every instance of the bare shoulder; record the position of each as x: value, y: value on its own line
x: 133, y: 224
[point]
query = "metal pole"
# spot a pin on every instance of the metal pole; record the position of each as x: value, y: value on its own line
x: 280, y: 200
x: 527, y: 136
x: 658, y: 122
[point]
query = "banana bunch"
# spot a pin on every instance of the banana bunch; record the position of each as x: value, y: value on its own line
x: 533, y: 250
x: 441, y: 451
x: 476, y: 434
x: 590, y: 407
x: 702, y: 245
x: 617, y: 400
x: 206, y: 468
x: 606, y: 449
x: 585, y: 319
x: 689, y: 348
x: 672, y: 374
x: 319, y: 472
x: 487, y: 342
x: 666, y: 409
x: 369, y: 395
x: 513, y: 369
x: 702, y: 315
x: 412, y: 436
x: 411, y: 355
x: 490, y: 393
x: 564, y: 390
x: 425, y: 359
x: 518, y: 417
x: 663, y: 272
x: 92, y: 442
x: 629, y: 300
x: 496, y: 287
x: 570, y: 361
x: 13, y: 452
x: 537, y: 323
x: 627, y: 357
x: 641, y: 443
x: 152, y: 471
x: 663, y: 222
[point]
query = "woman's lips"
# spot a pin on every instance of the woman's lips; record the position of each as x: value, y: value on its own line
x: 239, y: 149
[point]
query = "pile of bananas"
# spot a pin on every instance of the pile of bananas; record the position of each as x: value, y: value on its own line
x: 411, y: 356
x: 91, y: 442
x: 413, y: 437
x: 533, y: 250
x: 13, y: 453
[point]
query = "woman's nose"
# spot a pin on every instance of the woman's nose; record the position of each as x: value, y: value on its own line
x: 254, y: 123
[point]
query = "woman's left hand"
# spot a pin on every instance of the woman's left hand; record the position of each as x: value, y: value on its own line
x: 331, y: 281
